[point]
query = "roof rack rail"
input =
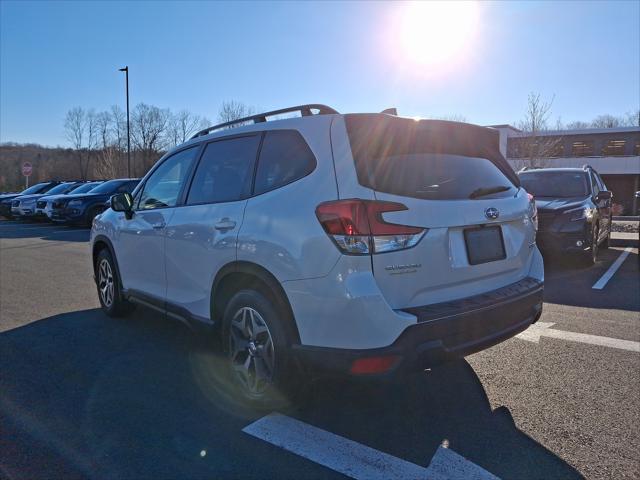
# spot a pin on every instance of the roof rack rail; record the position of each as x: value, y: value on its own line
x: 305, y: 111
x: 586, y: 166
x: 523, y: 169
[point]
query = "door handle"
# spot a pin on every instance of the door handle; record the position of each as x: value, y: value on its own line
x: 159, y: 225
x: 225, y: 224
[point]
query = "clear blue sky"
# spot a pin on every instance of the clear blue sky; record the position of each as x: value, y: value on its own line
x: 56, y: 55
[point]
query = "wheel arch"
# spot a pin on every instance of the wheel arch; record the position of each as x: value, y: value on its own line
x: 102, y: 242
x: 236, y: 275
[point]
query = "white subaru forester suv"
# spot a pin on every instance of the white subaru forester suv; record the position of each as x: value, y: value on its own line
x: 364, y: 244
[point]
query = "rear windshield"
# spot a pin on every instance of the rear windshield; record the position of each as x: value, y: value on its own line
x: 555, y: 184
x: 428, y: 159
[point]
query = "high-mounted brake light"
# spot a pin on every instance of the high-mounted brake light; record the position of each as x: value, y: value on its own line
x: 357, y: 226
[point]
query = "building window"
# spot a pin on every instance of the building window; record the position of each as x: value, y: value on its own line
x: 636, y: 149
x: 582, y: 149
x: 613, y: 147
x: 556, y: 150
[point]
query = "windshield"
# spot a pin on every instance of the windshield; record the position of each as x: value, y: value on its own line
x: 108, y: 187
x: 555, y: 184
x: 62, y: 188
x: 85, y: 187
x: 37, y: 188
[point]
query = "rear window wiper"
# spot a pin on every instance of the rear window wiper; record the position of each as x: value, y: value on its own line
x: 481, y: 192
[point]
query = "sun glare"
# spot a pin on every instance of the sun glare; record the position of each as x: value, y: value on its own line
x: 433, y: 35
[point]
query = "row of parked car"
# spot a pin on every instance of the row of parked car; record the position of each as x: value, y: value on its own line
x: 70, y: 202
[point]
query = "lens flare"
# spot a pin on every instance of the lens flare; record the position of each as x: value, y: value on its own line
x: 433, y: 36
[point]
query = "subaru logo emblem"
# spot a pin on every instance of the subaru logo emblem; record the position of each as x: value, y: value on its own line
x: 491, y: 213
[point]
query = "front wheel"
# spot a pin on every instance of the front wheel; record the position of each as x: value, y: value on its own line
x: 109, y: 293
x: 591, y: 256
x: 257, y: 345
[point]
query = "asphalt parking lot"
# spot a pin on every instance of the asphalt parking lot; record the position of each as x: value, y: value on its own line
x: 83, y: 395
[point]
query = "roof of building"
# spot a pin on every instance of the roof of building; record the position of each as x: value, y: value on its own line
x: 585, y: 131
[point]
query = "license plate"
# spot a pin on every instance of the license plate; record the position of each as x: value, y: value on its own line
x: 484, y: 244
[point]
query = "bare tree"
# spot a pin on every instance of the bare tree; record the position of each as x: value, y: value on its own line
x: 577, y: 125
x: 75, y: 126
x: 631, y: 119
x: 533, y: 147
x: 119, y: 127
x: 454, y: 117
x: 606, y: 121
x: 107, y: 150
x: 182, y: 125
x: 233, y: 110
x: 148, y: 128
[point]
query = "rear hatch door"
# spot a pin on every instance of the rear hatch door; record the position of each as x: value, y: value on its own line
x: 458, y: 187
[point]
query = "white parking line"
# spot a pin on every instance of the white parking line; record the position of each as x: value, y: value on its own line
x: 543, y: 329
x: 600, y: 284
x: 356, y: 460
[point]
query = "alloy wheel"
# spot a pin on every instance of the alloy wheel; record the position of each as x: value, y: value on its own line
x: 251, y: 351
x: 105, y: 283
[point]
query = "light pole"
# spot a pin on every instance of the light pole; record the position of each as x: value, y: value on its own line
x: 126, y: 71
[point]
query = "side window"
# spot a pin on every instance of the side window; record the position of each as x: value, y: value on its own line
x: 163, y: 187
x: 225, y: 170
x: 284, y: 158
x: 600, y: 182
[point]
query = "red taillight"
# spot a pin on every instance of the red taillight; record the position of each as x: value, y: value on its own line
x: 357, y: 226
x: 371, y: 365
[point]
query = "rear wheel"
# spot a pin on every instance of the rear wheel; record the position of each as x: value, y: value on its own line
x: 257, y: 343
x: 109, y: 291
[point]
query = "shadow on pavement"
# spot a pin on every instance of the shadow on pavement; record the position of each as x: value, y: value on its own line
x: 44, y: 231
x: 83, y: 395
x: 567, y: 282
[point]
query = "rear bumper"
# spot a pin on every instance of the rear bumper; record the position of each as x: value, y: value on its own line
x: 444, y: 331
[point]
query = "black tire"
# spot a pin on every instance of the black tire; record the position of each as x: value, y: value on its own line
x: 113, y: 304
x: 277, y: 384
x: 590, y: 256
x: 607, y: 241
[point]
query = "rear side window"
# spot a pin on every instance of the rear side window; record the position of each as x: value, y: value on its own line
x: 284, y: 158
x: 225, y: 171
x: 431, y: 160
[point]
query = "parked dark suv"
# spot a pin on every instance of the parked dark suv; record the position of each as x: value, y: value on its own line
x: 82, y: 208
x: 574, y: 210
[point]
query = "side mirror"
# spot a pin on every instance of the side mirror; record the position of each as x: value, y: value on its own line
x: 604, y: 195
x: 122, y: 202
